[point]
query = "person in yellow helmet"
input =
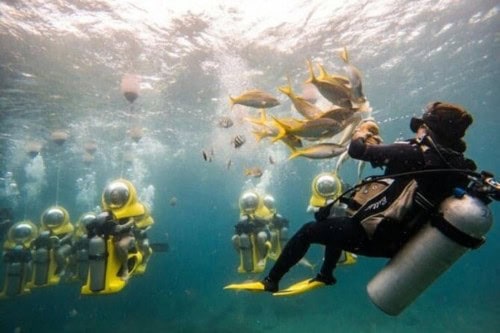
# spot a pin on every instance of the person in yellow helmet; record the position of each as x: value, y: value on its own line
x: 326, y: 187
x: 18, y: 258
x: 56, y: 232
x: 120, y: 201
x: 251, y: 238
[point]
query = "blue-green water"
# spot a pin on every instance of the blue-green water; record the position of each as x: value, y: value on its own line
x: 61, y: 66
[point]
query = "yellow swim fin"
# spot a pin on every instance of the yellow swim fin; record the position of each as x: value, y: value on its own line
x: 300, y: 287
x: 248, y: 286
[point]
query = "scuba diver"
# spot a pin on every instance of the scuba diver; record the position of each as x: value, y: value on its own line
x: 414, y: 198
x: 52, y: 246
x: 252, y: 237
x: 18, y: 258
x: 278, y: 227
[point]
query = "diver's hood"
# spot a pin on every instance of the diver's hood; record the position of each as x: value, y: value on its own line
x: 120, y: 198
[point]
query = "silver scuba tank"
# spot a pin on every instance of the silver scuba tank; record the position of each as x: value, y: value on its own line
x: 14, y: 279
x: 97, y: 263
x: 283, y: 236
x: 82, y: 263
x: 41, y: 261
x: 463, y: 223
x: 246, y: 252
x: 16, y: 272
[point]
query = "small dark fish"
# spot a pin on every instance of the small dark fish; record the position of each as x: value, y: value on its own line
x: 271, y: 160
x: 225, y: 122
x: 228, y: 164
x: 173, y: 201
x: 208, y: 157
x: 239, y: 141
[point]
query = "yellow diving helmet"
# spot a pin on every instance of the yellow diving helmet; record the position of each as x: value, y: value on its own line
x: 249, y: 202
x: 83, y: 221
x: 325, y: 186
x: 270, y: 203
x: 23, y: 232
x: 56, y: 219
x: 267, y: 209
x: 120, y: 197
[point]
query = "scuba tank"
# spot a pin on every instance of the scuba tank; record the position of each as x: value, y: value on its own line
x: 82, y: 260
x: 246, y: 253
x: 17, y: 262
x: 283, y: 236
x: 97, y: 263
x: 41, y: 261
x: 463, y: 221
x: 14, y: 279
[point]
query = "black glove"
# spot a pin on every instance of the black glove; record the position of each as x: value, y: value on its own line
x: 102, y: 225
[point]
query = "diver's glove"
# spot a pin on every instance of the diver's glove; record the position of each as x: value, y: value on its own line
x: 102, y: 225
x: 125, y: 227
x: 369, y: 131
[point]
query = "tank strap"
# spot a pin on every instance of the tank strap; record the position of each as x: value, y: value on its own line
x: 453, y: 233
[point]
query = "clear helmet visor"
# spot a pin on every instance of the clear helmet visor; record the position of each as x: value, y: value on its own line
x: 116, y: 195
x: 22, y: 232
x: 326, y: 185
x: 269, y: 202
x: 86, y: 219
x: 249, y: 202
x: 53, y: 217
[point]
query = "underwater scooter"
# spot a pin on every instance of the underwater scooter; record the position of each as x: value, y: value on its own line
x: 460, y: 224
x: 104, y: 264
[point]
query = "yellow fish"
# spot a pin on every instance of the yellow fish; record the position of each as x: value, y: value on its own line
x: 339, y: 114
x: 312, y: 129
x: 254, y: 98
x: 308, y: 110
x: 319, y: 151
x: 332, y: 78
x: 350, y: 126
x: 354, y: 75
x: 333, y: 90
x: 264, y: 128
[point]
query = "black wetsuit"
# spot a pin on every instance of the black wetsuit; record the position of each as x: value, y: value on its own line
x: 347, y: 233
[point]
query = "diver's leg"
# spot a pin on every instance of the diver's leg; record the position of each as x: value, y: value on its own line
x: 122, y: 248
x: 295, y: 249
x: 343, y: 234
x: 61, y: 257
x: 336, y: 234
